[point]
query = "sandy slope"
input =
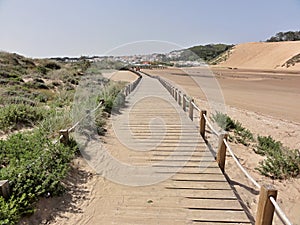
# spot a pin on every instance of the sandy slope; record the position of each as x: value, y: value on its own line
x: 121, y: 75
x: 262, y: 55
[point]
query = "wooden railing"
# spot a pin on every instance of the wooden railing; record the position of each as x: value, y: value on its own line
x: 130, y: 87
x: 267, y: 193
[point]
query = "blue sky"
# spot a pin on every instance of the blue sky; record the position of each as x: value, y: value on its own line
x: 43, y: 28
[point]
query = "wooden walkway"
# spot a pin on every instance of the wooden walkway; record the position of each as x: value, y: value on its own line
x: 170, y: 176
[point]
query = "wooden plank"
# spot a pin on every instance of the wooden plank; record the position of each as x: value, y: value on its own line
x: 173, y: 202
x: 198, y: 194
x: 213, y: 185
x: 195, y: 170
x: 199, y: 177
x: 127, y: 220
x: 192, y: 215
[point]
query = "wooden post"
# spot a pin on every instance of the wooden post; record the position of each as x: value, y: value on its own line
x: 202, y: 123
x: 265, y: 208
x: 191, y: 107
x: 65, y: 136
x: 179, y: 98
x: 221, y: 154
x: 4, y: 189
x: 176, y: 94
x: 183, y: 102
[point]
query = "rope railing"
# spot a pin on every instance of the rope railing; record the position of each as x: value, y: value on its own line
x: 267, y: 197
x: 196, y: 107
x: 279, y: 212
x: 210, y: 126
x: 240, y: 165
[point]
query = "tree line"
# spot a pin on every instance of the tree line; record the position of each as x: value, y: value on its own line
x: 285, y: 36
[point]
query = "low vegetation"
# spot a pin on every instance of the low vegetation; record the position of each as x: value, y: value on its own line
x: 113, y: 98
x: 280, y: 162
x: 36, y: 102
x: 16, y: 116
x: 238, y: 133
x: 292, y: 62
x: 34, y: 167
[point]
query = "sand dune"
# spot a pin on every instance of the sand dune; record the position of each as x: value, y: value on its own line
x: 263, y: 55
x: 120, y: 75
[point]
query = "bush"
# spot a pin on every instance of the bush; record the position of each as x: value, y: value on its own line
x: 281, y: 162
x: 100, y: 121
x: 52, y: 66
x: 224, y: 121
x: 34, y: 166
x: 25, y: 93
x: 37, y: 84
x: 16, y: 115
x: 281, y: 165
x: 268, y: 146
x: 242, y: 134
x: 56, y: 120
x: 112, y: 96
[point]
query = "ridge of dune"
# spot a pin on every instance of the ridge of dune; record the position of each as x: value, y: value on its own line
x: 263, y: 55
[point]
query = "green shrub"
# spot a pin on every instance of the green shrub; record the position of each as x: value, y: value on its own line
x: 62, y: 99
x: 9, y: 212
x: 223, y: 120
x: 52, y: 66
x: 41, y: 69
x: 17, y: 91
x: 15, y: 115
x: 268, y: 146
x: 113, y: 98
x: 281, y: 162
x: 100, y: 121
x: 242, y: 134
x: 35, y: 167
x: 281, y: 165
x: 56, y: 120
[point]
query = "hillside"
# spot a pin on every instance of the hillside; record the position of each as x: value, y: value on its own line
x: 37, y: 100
x: 208, y: 52
x: 264, y: 55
